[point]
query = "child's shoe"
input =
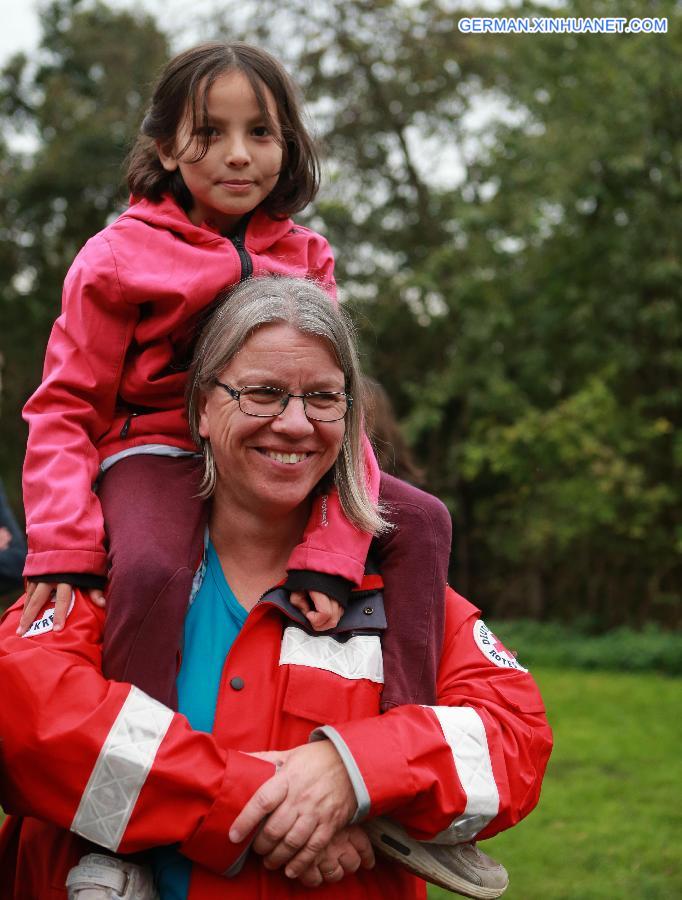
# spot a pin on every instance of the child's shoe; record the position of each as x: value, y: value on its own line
x: 99, y: 877
x: 462, y: 868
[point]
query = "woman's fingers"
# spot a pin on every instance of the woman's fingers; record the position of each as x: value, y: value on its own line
x: 300, y: 861
x: 316, y: 799
x: 312, y: 877
x: 304, y: 839
x: 358, y: 837
x: 343, y: 855
x: 264, y: 801
x: 348, y: 849
x: 275, y: 827
x: 332, y: 871
x: 340, y: 854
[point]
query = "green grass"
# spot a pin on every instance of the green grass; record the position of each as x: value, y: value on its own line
x: 609, y: 821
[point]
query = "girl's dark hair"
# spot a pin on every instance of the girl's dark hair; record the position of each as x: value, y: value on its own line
x: 182, y: 90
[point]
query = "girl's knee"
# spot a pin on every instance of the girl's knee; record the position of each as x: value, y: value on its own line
x: 139, y: 577
x: 415, y: 511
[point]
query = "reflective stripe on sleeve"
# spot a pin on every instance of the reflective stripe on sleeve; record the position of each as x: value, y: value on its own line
x: 121, y: 770
x: 359, y: 657
x: 465, y: 733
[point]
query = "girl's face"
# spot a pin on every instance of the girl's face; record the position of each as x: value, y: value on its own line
x: 244, y: 157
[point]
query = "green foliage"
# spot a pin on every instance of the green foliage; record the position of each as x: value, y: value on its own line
x: 516, y: 282
x: 78, y: 103
x: 608, y: 826
x: 505, y: 212
x: 582, y: 646
x: 583, y: 481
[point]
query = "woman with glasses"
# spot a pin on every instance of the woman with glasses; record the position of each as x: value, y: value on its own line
x: 280, y: 750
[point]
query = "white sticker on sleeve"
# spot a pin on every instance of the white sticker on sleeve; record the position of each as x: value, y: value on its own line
x: 45, y: 621
x: 493, y: 649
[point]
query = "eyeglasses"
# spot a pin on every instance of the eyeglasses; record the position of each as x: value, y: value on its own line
x: 266, y: 402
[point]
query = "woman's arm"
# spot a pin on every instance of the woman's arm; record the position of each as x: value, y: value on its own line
x: 467, y: 767
x: 124, y: 771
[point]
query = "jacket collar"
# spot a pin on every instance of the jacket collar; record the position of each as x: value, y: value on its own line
x: 262, y: 231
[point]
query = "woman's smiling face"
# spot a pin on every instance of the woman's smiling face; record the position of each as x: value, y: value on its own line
x: 273, y: 464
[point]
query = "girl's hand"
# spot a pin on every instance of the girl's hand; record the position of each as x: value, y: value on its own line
x: 326, y: 612
x: 38, y: 595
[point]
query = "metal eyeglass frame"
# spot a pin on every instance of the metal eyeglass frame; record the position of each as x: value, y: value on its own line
x: 285, y: 398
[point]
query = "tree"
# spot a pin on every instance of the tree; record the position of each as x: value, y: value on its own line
x: 79, y: 105
x: 523, y: 317
x: 505, y: 214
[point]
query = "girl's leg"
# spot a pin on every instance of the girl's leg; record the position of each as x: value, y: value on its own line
x: 155, y: 524
x: 414, y: 561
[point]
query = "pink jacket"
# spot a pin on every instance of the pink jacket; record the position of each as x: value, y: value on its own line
x: 131, y: 308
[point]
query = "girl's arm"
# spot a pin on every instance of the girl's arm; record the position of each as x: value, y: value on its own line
x: 331, y: 557
x: 73, y: 406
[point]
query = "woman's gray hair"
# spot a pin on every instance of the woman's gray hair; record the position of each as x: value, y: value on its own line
x: 305, y: 306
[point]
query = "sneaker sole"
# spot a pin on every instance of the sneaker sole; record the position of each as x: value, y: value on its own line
x: 391, y: 842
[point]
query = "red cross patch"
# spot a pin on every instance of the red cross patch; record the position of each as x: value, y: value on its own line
x: 493, y: 649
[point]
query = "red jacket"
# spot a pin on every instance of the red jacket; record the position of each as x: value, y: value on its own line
x: 132, y: 304
x: 104, y: 760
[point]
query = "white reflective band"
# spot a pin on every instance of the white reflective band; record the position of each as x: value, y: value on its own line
x: 121, y: 770
x: 465, y: 733
x: 359, y: 657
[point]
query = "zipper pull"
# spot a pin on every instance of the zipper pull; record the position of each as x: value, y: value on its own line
x: 126, y: 425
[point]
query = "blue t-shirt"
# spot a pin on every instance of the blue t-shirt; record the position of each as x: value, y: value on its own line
x: 212, y: 623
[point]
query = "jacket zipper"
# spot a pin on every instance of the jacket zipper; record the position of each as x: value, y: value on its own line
x: 244, y: 258
x: 126, y: 425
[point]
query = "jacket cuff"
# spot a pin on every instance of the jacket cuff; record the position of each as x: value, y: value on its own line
x: 210, y: 845
x: 354, y: 774
x: 333, y: 585
x: 75, y: 579
x: 81, y: 561
x: 379, y: 761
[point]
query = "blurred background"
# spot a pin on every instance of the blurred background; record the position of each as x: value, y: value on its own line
x: 506, y: 218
